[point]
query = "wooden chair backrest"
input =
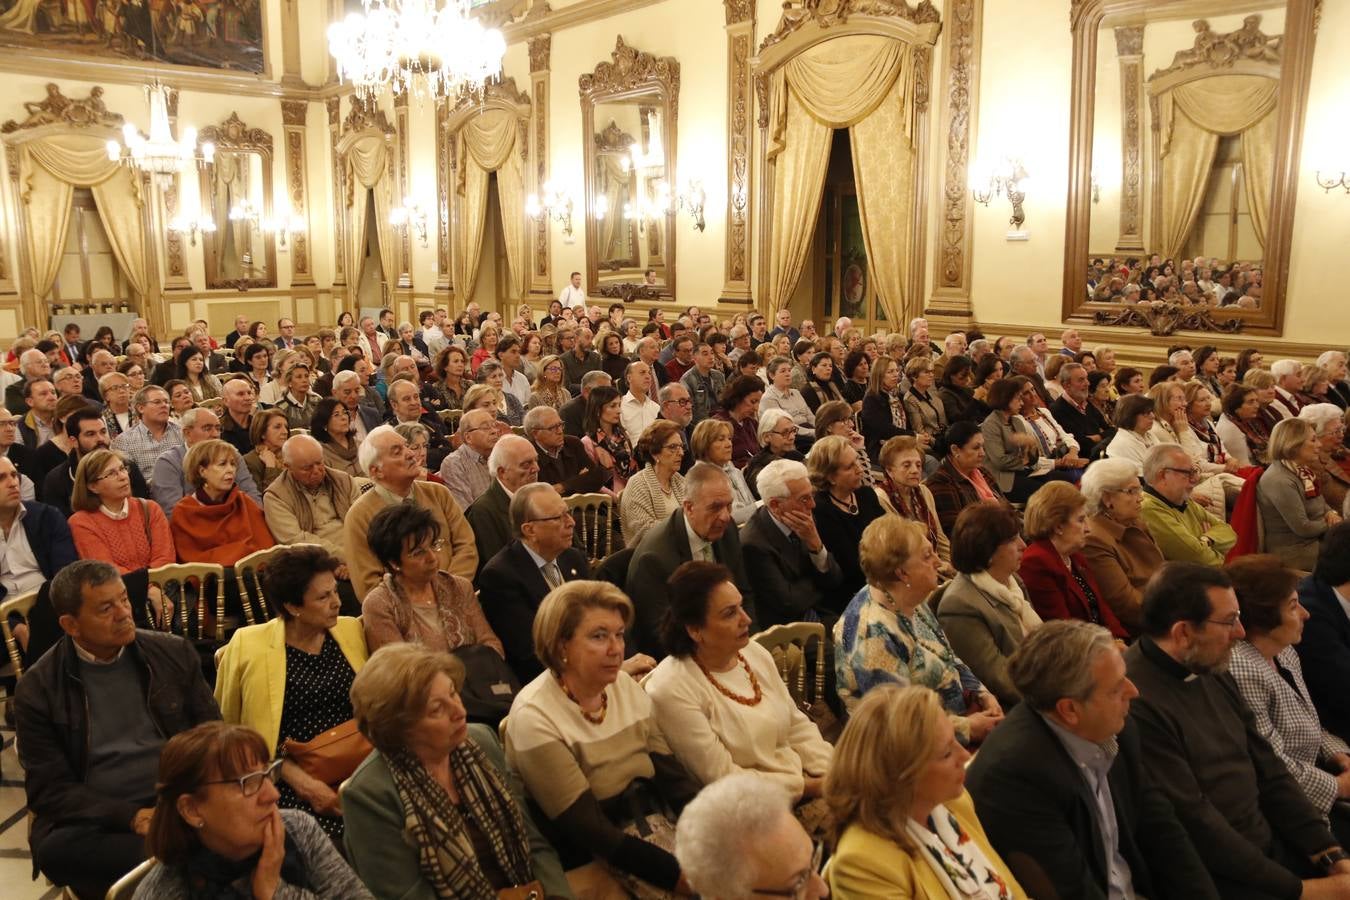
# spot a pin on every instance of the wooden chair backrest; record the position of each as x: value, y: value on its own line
x: 789, y: 645
x: 22, y: 606
x: 595, y: 520
x: 210, y: 579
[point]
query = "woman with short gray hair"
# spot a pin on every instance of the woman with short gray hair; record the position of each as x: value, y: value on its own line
x: 1293, y: 510
x: 1333, y: 461
x: 1120, y: 551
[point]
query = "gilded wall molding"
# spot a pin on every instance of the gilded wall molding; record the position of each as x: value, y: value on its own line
x: 401, y: 166
x: 1221, y: 51
x: 334, y: 108
x: 540, y: 49
x: 293, y: 116
x: 740, y: 12
x: 799, y: 13
x: 442, y: 198
x: 58, y: 109
x: 175, y: 266
x: 960, y: 100
x: 1130, y: 49
x: 541, y: 81
x: 740, y: 136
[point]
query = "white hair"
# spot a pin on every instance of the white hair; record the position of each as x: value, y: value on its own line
x: 341, y: 379
x: 718, y: 828
x: 1326, y: 359
x: 773, y: 479
x: 500, y: 450
x: 369, y: 454
x: 1320, y: 415
x: 534, y: 418
x: 1106, y: 475
x: 769, y: 419
x: 30, y: 356
x: 1177, y: 356
x: 1158, y: 458
x: 1282, y: 367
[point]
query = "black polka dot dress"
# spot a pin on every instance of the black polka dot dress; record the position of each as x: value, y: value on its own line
x: 318, y: 697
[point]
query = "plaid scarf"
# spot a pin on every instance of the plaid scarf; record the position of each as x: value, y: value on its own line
x: 444, y: 850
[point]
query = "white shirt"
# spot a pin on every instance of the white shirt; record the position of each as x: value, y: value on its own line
x: 518, y: 386
x: 19, y: 572
x: 572, y: 297
x: 697, y: 543
x: 635, y: 415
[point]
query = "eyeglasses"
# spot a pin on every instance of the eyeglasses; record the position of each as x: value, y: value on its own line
x: 1230, y: 624
x: 251, y: 783
x: 683, y: 402
x: 1132, y: 491
x: 111, y: 473
x: 434, y: 547
x: 1189, y: 473
x: 673, y: 448
x: 555, y: 427
x: 565, y: 514
x: 802, y: 881
x: 785, y: 432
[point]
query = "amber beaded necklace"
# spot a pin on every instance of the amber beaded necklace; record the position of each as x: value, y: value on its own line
x: 593, y: 718
x: 753, y: 700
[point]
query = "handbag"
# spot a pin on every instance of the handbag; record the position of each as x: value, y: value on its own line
x: 489, y: 684
x: 331, y: 756
x: 532, y: 891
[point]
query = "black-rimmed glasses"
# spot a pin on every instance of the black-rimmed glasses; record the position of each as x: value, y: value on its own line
x: 251, y: 783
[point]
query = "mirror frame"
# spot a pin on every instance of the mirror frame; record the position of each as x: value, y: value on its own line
x: 631, y: 73
x: 232, y: 135
x: 1296, y: 48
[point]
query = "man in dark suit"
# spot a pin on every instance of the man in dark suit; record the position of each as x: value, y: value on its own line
x: 573, y: 412
x: 1072, y: 765
x: 515, y: 581
x: 1075, y: 414
x: 1325, y: 648
x: 563, y: 460
x: 700, y: 529
x: 794, y: 574
x: 513, y: 464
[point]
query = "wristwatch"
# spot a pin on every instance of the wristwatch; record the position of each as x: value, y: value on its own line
x: 1328, y: 858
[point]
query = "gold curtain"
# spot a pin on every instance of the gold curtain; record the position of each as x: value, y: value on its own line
x: 49, y: 170
x: 841, y: 83
x: 487, y: 143
x: 367, y: 161
x: 1192, y: 117
x: 618, y: 191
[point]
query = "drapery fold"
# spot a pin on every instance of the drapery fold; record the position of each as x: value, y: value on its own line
x: 488, y: 143
x: 367, y: 162
x: 1258, y: 171
x: 883, y: 166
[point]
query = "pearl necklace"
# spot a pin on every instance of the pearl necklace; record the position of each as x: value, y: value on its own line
x: 757, y: 692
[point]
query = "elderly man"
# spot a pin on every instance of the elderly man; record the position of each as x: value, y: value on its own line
x: 1288, y: 383
x: 240, y: 329
x: 637, y: 410
x: 70, y: 382
x: 1081, y: 419
x: 739, y: 338
x: 34, y: 536
x: 286, y: 339
x: 513, y: 463
x: 738, y: 840
x: 465, y: 472
x: 1324, y: 650
x: 579, y: 358
x: 33, y: 366
x: 239, y: 400
x: 520, y: 574
x: 1334, y: 362
x: 216, y: 363
x: 1069, y: 759
x: 794, y: 575
x: 649, y: 352
x: 154, y: 432
x: 563, y: 461
x: 88, y: 431
x: 919, y: 334
x: 347, y: 391
x: 783, y: 325
x: 704, y: 382
x: 1024, y: 362
x: 385, y: 456
x: 700, y: 529
x: 1255, y: 831
x: 678, y: 407
x: 573, y: 412
x: 682, y: 357
x: 841, y: 326
x: 1183, y: 529
x: 405, y: 407
x: 101, y: 362
x: 1072, y: 343
x: 91, y: 718
x: 169, y: 483
x: 39, y: 422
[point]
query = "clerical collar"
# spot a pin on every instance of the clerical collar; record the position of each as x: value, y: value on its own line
x: 1160, y: 657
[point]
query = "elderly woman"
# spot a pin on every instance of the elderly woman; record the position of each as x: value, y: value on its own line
x: 418, y: 437
x: 548, y: 388
x: 956, y: 393
x: 902, y: 492
x: 1100, y: 394
x: 1333, y: 462
x: 1011, y: 447
x: 837, y: 418
x: 1269, y: 676
x: 923, y: 406
x: 1128, y: 381
x: 289, y: 679
x: 658, y: 489
x: 217, y: 830
x: 985, y: 610
x: 962, y: 479
x: 711, y: 442
x: 778, y: 440
x: 217, y: 522
x: 1264, y: 384
x: 1121, y: 553
x: 719, y: 699
x: 180, y: 398
x: 1244, y: 433
x: 268, y: 431
x: 883, y: 413
x: 509, y: 407
x: 1293, y: 511
x: 585, y: 740
x: 780, y: 394
x: 844, y: 504
x: 332, y: 427
x: 888, y: 634
x: 433, y: 811
x: 1056, y: 573
x: 1055, y: 444
x: 1135, y: 415
x: 416, y: 601
x: 1199, y: 437
x: 908, y: 828
x: 116, y: 390
x: 1172, y: 425
x: 447, y: 390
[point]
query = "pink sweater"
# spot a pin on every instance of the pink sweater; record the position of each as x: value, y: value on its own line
x: 126, y: 543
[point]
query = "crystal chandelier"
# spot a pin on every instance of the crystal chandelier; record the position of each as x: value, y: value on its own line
x: 159, y: 154
x: 396, y: 41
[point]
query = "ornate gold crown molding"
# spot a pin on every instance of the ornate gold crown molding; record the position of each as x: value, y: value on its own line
x: 1162, y: 319
x: 1221, y: 51
x: 630, y: 70
x: 366, y: 114
x: 233, y: 134
x: 58, y: 109
x: 540, y: 48
x: 613, y: 139
x: 827, y: 13
x: 503, y: 90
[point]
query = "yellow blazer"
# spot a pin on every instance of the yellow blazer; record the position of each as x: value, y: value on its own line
x: 867, y: 866
x: 251, y: 679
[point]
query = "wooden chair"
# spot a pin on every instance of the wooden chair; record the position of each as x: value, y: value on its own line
x: 125, y: 887
x: 210, y: 579
x: 789, y: 645
x: 248, y: 575
x: 215, y: 404
x: 22, y: 606
x: 295, y: 431
x: 451, y: 418
x: 595, y: 516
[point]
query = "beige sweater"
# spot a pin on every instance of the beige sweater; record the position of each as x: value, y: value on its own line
x: 460, y: 556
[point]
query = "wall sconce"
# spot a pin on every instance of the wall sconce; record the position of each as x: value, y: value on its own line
x: 411, y: 215
x: 555, y: 204
x: 692, y: 200
x: 191, y: 227
x: 283, y: 228
x: 1008, y: 179
x: 1328, y: 183
x: 1096, y: 189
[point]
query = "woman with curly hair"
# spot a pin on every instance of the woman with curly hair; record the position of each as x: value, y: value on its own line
x: 548, y: 388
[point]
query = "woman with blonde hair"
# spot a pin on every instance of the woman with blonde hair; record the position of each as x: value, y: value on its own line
x: 657, y: 490
x: 217, y: 522
x: 487, y: 346
x: 1172, y: 425
x: 1289, y: 497
x: 548, y: 388
x: 908, y: 828
x: 711, y: 443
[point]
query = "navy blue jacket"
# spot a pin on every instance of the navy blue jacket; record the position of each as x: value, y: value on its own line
x: 49, y: 538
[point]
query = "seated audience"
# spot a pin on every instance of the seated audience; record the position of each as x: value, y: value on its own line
x: 795, y: 576
x: 883, y: 413
x: 548, y: 388
x: 56, y: 450
x: 1120, y: 551
x: 1294, y: 514
x: 777, y: 441
x: 585, y: 740
x: 902, y: 492
x: 1135, y: 417
x: 923, y: 407
x: 658, y: 489
x: 433, y: 810
x: 514, y: 463
x: 268, y: 432
x: 298, y: 402
x: 606, y: 442
x: 718, y: 697
x: 170, y: 483
x: 563, y: 461
x: 332, y: 428
x: 1333, y: 459
x: 738, y: 406
x: 1012, y: 450
x: 236, y: 414
x: 1068, y: 759
x: 362, y: 414
x: 908, y: 828
x: 1266, y: 668
x: 956, y: 391
x: 316, y: 652
x: 1075, y: 411
x: 836, y: 419
x: 1182, y: 528
x: 465, y: 471
x: 217, y: 522
x: 738, y: 840
x: 90, y: 729
x: 888, y: 634
x: 700, y: 529
x: 1056, y: 573
x: 819, y: 385
x: 217, y: 830
x: 506, y: 406
x: 1254, y: 830
x: 384, y: 454
x: 115, y: 389
x: 1242, y: 429
x: 88, y: 432
x: 781, y: 395
x: 962, y: 478
x: 985, y: 611
x: 844, y: 505
x: 1325, y: 648
x: 713, y: 441
x: 405, y: 408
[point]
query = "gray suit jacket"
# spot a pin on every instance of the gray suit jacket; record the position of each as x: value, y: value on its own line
x: 1002, y: 458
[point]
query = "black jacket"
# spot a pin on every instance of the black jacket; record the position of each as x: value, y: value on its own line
x: 489, y: 517
x: 510, y: 589
x: 1325, y: 654
x: 788, y: 582
x: 1042, y: 818
x: 573, y: 468
x: 1082, y: 425
x: 52, y: 727
x: 573, y: 414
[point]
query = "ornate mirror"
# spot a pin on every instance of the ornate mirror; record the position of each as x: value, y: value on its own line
x: 1186, y: 125
x: 628, y: 111
x: 236, y: 196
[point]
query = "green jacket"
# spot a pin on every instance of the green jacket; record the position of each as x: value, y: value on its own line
x: 1179, y: 532
x: 386, y: 858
